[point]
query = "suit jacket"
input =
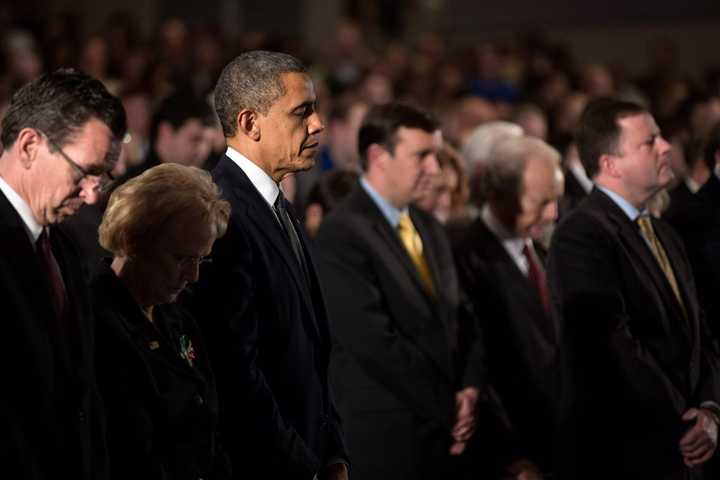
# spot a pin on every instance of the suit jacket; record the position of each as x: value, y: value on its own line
x: 50, y: 412
x: 520, y: 344
x: 634, y: 361
x: 161, y: 409
x: 394, y: 343
x: 266, y: 328
x: 699, y: 226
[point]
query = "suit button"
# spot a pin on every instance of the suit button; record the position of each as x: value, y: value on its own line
x: 81, y: 415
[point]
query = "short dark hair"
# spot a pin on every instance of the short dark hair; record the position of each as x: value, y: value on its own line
x: 179, y: 108
x: 382, y: 122
x: 251, y: 81
x: 598, y: 131
x: 59, y: 104
x: 712, y: 146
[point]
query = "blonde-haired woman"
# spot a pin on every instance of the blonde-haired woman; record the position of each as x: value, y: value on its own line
x: 152, y: 367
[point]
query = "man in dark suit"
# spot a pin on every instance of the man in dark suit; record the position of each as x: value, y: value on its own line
x: 502, y: 274
x: 641, y: 371
x: 259, y: 303
x: 60, y: 136
x: 391, y: 288
x: 699, y: 226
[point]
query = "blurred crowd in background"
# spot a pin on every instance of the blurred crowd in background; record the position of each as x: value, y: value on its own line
x: 523, y: 79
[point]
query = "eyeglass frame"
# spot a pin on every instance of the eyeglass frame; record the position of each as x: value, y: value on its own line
x: 102, y: 185
x: 185, y: 261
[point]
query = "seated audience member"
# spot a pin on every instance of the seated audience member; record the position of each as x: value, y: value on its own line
x: 327, y: 192
x: 177, y: 134
x: 532, y: 120
x: 501, y: 271
x: 153, y: 368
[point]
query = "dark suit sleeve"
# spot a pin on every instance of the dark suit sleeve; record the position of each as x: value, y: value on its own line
x: 250, y: 418
x: 131, y: 433
x: 361, y: 323
x: 587, y: 294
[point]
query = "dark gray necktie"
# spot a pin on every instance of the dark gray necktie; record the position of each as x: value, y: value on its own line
x: 287, y: 225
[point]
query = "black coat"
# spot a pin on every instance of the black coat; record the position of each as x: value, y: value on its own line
x: 266, y: 328
x: 634, y: 362
x: 50, y: 412
x: 394, y: 344
x: 520, y: 341
x: 699, y: 227
x: 158, y: 389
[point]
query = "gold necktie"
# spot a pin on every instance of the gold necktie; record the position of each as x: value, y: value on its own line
x: 648, y: 232
x: 413, y: 245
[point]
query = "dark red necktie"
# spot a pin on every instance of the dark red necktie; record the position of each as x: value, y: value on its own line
x: 536, y: 275
x: 55, y: 281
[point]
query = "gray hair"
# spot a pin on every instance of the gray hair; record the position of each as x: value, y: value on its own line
x: 251, y: 81
x: 502, y: 176
x: 476, y: 149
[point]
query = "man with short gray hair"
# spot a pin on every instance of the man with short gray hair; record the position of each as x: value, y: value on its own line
x: 259, y: 303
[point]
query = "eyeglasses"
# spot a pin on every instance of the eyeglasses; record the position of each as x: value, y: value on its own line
x: 186, y: 261
x: 103, y: 181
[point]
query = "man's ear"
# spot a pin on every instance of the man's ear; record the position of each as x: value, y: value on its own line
x: 165, y: 130
x: 248, y: 125
x: 609, y: 165
x: 27, y: 145
x: 377, y: 155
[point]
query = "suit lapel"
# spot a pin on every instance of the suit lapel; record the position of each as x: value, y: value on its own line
x: 402, y: 266
x: 503, y: 266
x: 630, y: 236
x: 392, y: 239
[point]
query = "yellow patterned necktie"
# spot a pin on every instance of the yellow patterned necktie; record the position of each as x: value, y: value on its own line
x: 413, y: 245
x: 648, y: 232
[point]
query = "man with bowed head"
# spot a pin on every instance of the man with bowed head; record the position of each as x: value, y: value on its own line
x: 641, y: 373
x: 259, y: 303
x: 61, y: 135
x: 501, y: 270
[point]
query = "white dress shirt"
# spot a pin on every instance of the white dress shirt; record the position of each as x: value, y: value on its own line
x: 32, y: 227
x: 513, y: 245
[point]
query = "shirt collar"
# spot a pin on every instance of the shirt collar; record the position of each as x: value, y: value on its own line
x: 265, y: 185
x: 388, y: 210
x: 32, y: 227
x: 627, y: 207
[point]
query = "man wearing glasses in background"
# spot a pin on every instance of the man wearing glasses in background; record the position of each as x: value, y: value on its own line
x: 60, y: 136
